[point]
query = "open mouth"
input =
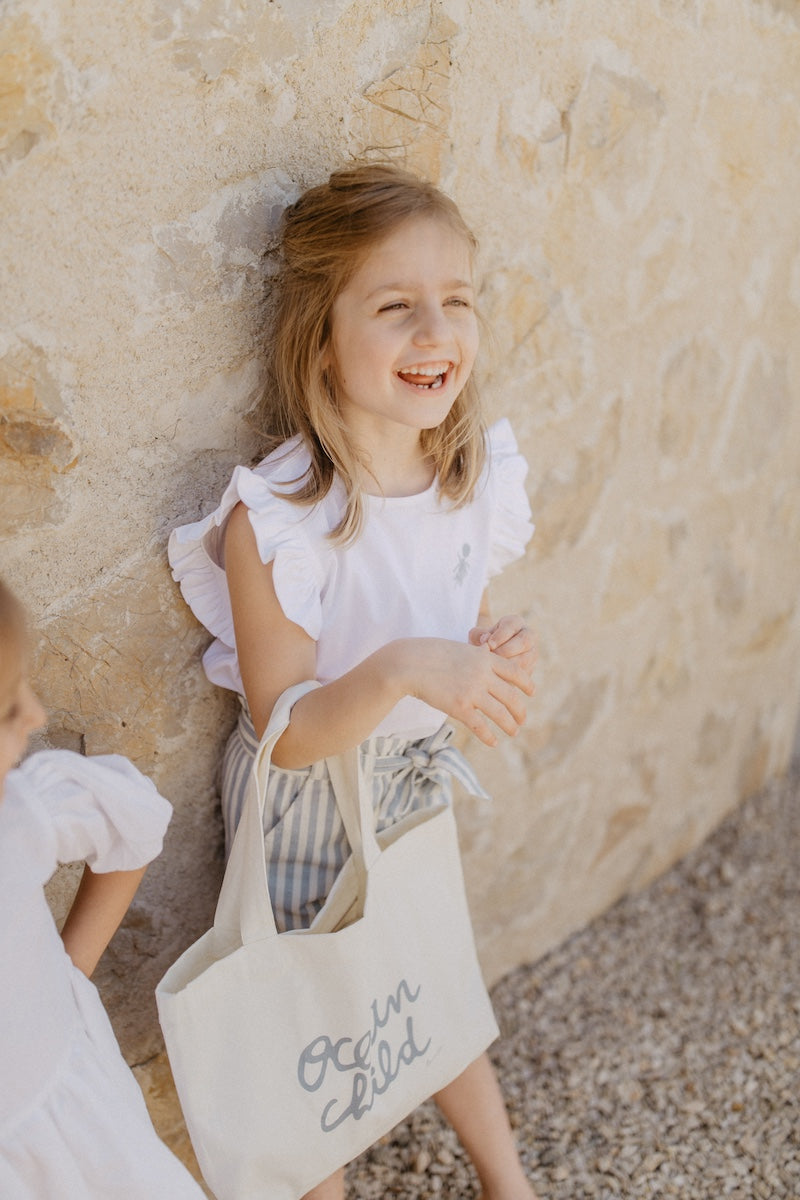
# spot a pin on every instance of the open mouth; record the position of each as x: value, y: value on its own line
x: 428, y: 377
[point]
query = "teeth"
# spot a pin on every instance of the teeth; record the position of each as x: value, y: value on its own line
x: 436, y: 372
x: 432, y: 369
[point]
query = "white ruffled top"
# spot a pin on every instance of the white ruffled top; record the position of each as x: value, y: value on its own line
x: 72, y: 1118
x: 418, y: 569
x: 58, y: 807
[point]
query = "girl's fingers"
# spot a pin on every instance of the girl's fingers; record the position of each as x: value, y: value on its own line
x: 503, y: 707
x: 481, y: 728
x: 504, y: 630
x: 513, y: 672
x: 507, y: 710
x: 519, y: 648
x: 494, y: 713
x: 514, y: 641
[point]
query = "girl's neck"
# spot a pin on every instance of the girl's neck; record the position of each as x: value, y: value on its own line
x: 396, y: 470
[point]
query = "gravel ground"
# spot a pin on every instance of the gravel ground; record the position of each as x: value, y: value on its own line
x: 657, y: 1052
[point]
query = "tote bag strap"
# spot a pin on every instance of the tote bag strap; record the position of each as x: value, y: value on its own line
x: 244, y: 907
x: 353, y: 795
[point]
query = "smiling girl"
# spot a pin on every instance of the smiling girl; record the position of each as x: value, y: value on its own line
x: 357, y: 554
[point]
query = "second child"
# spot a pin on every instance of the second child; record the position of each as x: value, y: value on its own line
x: 73, y: 1122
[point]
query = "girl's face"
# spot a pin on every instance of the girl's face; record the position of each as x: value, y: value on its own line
x: 404, y: 333
x: 20, y: 713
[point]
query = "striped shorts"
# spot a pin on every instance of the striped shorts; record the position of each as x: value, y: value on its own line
x: 304, y: 838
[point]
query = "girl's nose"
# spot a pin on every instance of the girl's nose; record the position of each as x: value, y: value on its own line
x: 431, y: 328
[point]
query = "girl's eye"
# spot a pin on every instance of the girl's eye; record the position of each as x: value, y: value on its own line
x: 459, y: 302
x: 396, y: 304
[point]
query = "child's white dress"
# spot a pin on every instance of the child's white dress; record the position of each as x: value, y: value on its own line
x: 73, y: 1122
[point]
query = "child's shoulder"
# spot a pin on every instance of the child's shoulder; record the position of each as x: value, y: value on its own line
x: 100, y: 808
x: 501, y: 442
x: 286, y: 464
x: 267, y: 490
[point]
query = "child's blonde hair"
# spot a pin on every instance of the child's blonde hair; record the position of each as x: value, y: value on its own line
x: 324, y: 238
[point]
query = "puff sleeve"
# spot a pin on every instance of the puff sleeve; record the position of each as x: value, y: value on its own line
x: 101, y: 809
x: 511, y: 527
x: 284, y: 536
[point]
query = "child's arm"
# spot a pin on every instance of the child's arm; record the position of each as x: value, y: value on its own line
x: 470, y: 683
x: 100, y: 903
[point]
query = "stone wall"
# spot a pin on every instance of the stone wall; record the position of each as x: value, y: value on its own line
x: 632, y: 171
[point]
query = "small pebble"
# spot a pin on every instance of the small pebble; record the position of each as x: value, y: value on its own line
x: 422, y: 1162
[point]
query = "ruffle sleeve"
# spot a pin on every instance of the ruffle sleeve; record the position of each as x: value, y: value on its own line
x: 283, y: 537
x: 511, y: 511
x: 101, y: 809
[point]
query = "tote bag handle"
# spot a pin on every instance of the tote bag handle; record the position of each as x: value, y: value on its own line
x: 244, y: 907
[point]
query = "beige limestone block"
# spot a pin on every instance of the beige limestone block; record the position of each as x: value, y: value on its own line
x: 772, y: 632
x: 534, y: 350
x: 407, y: 114
x: 212, y: 256
x: 714, y: 737
x: 661, y: 273
x: 37, y: 448
x: 104, y: 667
x: 215, y: 37
x: 741, y: 132
x: 155, y: 1079
x: 29, y: 75
x: 668, y: 672
x: 691, y: 402
x: 639, y: 565
x: 758, y: 418
x: 563, y: 732
x: 615, y: 141
x: 620, y: 825
x: 568, y: 496
x: 681, y: 10
x: 754, y: 762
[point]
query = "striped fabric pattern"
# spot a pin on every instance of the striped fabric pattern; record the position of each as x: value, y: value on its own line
x: 304, y: 839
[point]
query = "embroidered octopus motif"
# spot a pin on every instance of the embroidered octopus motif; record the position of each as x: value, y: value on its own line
x: 461, y: 569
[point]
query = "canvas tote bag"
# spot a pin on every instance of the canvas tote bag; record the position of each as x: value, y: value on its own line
x: 293, y: 1052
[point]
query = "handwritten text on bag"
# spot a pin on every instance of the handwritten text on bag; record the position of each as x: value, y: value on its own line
x: 374, y: 1059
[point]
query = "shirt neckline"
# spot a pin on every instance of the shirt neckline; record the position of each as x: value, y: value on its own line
x: 403, y: 501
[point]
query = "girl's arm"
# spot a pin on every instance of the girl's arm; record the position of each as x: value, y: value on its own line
x: 470, y: 683
x: 100, y: 903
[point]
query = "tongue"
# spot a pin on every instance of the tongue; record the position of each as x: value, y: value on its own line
x: 417, y: 380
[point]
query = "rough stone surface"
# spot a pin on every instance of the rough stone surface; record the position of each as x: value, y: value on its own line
x: 632, y: 174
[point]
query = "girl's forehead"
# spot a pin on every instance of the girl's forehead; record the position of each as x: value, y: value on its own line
x: 424, y: 239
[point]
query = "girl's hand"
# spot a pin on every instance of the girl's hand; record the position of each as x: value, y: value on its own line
x: 509, y: 637
x: 480, y: 688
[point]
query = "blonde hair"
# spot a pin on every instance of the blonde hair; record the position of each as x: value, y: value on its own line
x: 324, y: 238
